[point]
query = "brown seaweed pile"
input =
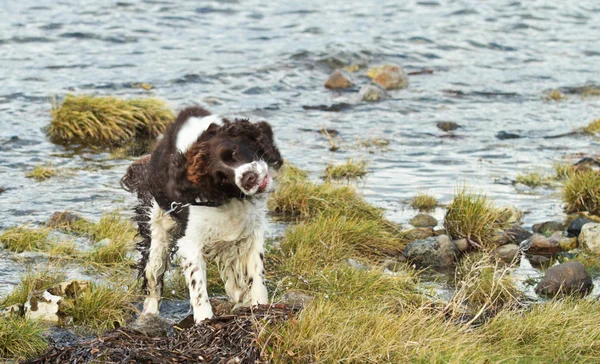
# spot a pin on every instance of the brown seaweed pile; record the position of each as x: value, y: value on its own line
x: 223, y: 339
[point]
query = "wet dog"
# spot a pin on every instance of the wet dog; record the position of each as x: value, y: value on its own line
x: 203, y: 190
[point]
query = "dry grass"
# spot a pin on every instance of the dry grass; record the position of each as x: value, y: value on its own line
x: 41, y: 172
x: 424, y: 202
x: 90, y: 120
x: 581, y: 192
x: 473, y: 216
x: 555, y: 95
x: 563, y: 169
x: 532, y: 179
x: 593, y: 128
x: 590, y: 92
x: 20, y: 339
x: 102, y: 307
x: 22, y: 238
x: 349, y: 170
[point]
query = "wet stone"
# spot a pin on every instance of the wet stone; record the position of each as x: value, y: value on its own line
x: 420, y: 233
x: 548, y: 227
x: 538, y: 260
x: 437, y: 252
x: 540, y: 245
x: 372, y: 93
x: 503, y: 135
x: 565, y: 279
x: 390, y: 77
x: 448, y: 126
x: 423, y: 220
x: 338, y: 81
x: 516, y: 235
x: 63, y: 219
x: 576, y: 225
x: 508, y: 253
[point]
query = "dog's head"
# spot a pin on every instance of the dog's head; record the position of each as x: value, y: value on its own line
x: 236, y: 159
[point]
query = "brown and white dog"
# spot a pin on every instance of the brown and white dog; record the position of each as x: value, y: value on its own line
x: 204, y: 190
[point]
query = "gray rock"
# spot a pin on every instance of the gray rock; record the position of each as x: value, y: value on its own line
x: 420, y: 233
x: 462, y: 244
x: 63, y: 219
x: 448, y: 126
x: 590, y: 237
x: 437, y: 252
x: 372, y: 93
x: 503, y: 135
x: 508, y: 253
x: 44, y: 306
x: 576, y: 225
x: 565, y: 279
x: 540, y: 245
x: 516, y: 235
x: 423, y: 220
x: 548, y: 227
x: 296, y: 299
x: 538, y: 260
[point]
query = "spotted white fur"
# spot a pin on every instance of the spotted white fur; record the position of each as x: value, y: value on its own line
x: 192, y: 129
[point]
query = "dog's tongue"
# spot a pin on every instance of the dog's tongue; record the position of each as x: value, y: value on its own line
x: 264, y: 183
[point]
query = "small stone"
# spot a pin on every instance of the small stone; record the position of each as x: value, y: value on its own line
x: 356, y: 264
x: 590, y: 237
x: 439, y: 232
x: 565, y: 279
x: 511, y: 214
x: 338, y: 80
x: 372, y: 93
x: 63, y: 219
x: 423, y: 220
x: 516, y: 235
x: 503, y: 135
x: 462, y: 244
x: 508, y: 253
x: 448, y: 126
x: 44, y: 306
x: 296, y: 299
x: 548, y: 227
x: 438, y: 252
x: 420, y: 233
x: 567, y: 244
x: 538, y: 260
x: 540, y: 245
x: 576, y: 225
x: 389, y: 77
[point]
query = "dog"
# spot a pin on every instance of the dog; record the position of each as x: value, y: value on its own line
x: 203, y: 191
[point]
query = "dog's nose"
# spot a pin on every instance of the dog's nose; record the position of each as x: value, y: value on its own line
x: 249, y: 180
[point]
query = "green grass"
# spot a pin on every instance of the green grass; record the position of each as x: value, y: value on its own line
x: 90, y: 120
x: 34, y: 280
x: 41, y: 172
x: 581, y: 192
x: 593, y: 128
x: 349, y: 170
x: 22, y: 238
x: 424, y: 202
x: 102, y: 307
x: 20, y: 339
x: 472, y: 216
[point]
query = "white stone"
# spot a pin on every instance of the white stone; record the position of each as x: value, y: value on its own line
x: 589, y: 238
x: 43, y: 306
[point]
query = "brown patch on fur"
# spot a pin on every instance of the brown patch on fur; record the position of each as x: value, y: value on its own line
x: 197, y: 162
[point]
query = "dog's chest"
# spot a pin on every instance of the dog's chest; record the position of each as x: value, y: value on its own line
x: 220, y: 227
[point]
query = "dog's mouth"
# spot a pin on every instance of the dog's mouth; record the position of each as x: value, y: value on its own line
x: 264, y: 184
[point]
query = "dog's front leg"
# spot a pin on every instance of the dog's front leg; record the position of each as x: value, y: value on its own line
x: 195, y: 276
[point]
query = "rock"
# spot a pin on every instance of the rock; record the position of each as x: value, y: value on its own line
x: 516, y: 235
x: 372, y: 93
x: 590, y: 237
x: 423, y: 220
x: 389, y: 77
x: 576, y: 225
x: 439, y: 232
x: 548, y: 227
x: 296, y: 299
x: 538, y: 260
x: 508, y: 253
x: 356, y: 264
x: 63, y: 219
x: 511, y: 215
x: 341, y: 106
x: 437, y: 252
x: 462, y: 244
x: 44, y: 306
x: 70, y: 289
x: 152, y: 325
x: 567, y: 244
x: 539, y: 245
x: 420, y: 233
x: 14, y: 310
x: 565, y: 279
x: 503, y: 135
x: 448, y: 126
x: 338, y: 81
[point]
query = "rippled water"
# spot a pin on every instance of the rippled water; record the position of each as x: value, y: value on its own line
x: 491, y: 63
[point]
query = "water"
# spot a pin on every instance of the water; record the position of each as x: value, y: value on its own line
x: 492, y: 62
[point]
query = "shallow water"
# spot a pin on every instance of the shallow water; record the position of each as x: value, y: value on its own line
x: 491, y: 64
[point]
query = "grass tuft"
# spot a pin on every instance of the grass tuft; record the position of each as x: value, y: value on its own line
x: 21, y: 238
x: 473, y: 216
x: 41, y: 172
x: 102, y: 307
x: 90, y: 120
x: 532, y: 179
x: 20, y: 339
x: 424, y: 202
x: 581, y: 192
x: 30, y: 282
x: 563, y: 170
x: 593, y: 128
x: 349, y: 170
x: 555, y: 95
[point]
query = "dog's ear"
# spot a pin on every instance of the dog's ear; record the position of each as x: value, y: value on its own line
x: 271, y: 153
x: 197, y: 159
x: 135, y: 174
x: 265, y: 129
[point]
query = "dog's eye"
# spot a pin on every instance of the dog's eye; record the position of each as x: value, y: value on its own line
x: 228, y: 155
